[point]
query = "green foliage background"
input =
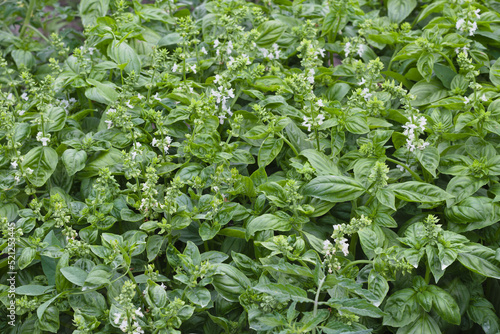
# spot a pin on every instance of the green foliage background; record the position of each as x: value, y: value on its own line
x: 240, y: 167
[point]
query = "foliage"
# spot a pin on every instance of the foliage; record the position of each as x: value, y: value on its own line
x: 234, y: 167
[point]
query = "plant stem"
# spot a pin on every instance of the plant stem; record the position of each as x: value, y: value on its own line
x: 289, y: 144
x: 415, y: 176
x: 316, y: 298
x: 353, y: 263
x: 27, y: 19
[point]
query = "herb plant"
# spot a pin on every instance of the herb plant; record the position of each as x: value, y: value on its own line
x: 230, y: 166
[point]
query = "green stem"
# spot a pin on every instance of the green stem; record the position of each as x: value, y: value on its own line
x: 353, y: 263
x: 415, y: 176
x: 137, y: 287
x: 38, y: 33
x: 27, y: 19
x: 449, y: 61
x: 289, y: 144
x: 316, y: 298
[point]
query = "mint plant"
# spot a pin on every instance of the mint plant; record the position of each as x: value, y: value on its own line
x: 249, y: 167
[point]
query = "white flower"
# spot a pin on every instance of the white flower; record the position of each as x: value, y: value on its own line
x: 21, y: 112
x: 216, y: 188
x: 17, y: 179
x: 229, y: 47
x: 409, y: 145
x: 72, y: 100
x: 248, y: 59
x: 477, y: 13
x: 230, y: 62
x: 111, y: 111
x: 306, y: 123
x: 129, y: 105
x: 275, y: 46
x: 14, y: 164
x: 466, y: 100
x: 347, y: 49
x: 124, y: 325
x: 139, y: 96
x: 484, y: 98
x: 463, y: 49
x: 311, y: 76
x: 230, y: 93
x: 326, y: 244
x: 216, y: 43
x: 221, y: 119
x: 336, y: 227
x: 322, y: 52
x: 217, y: 78
x: 156, y: 97
x: 139, y: 313
x: 163, y: 285
x: 319, y: 103
x: 10, y: 96
x: 401, y: 168
x: 154, y: 143
x: 25, y: 96
x: 320, y: 119
x: 424, y: 145
x: 193, y: 68
x: 174, y: 68
x: 110, y: 123
x: 473, y: 29
x: 29, y: 170
x: 344, y: 245
x: 91, y: 51
x: 217, y: 52
x: 44, y: 141
x: 422, y: 122
x: 361, y: 47
x: 362, y: 82
x: 204, y: 51
x: 117, y: 318
x: 366, y: 93
x: 460, y: 23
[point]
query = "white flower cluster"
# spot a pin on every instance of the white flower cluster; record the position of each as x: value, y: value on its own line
x: 40, y: 138
x: 135, y: 150
x: 350, y: 48
x: 463, y: 49
x: 412, y: 131
x: 270, y: 54
x: 318, y: 121
x: 310, y: 76
x: 468, y: 26
x: 136, y: 328
x: 222, y: 95
x: 162, y: 143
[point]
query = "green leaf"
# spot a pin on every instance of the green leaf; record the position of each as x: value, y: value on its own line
x: 199, y: 296
x: 269, y: 150
x: 153, y: 246
x: 495, y: 73
x: 429, y: 159
x: 122, y: 53
x: 27, y: 256
x: 130, y: 216
x: 282, y: 292
x: 445, y: 305
x: 33, y: 290
x: 463, y: 187
x: 357, y: 306
x: 320, y: 162
x: 43, y: 161
x: 270, y: 32
x: 267, y: 222
x: 50, y: 319
x: 477, y: 258
x: 425, y: 64
x: 90, y: 10
x: 75, y: 275
x: 419, y: 192
x: 398, y: 10
x: 472, y: 213
x: 357, y: 125
x: 334, y: 188
x: 229, y: 282
x: 74, y: 160
x: 427, y: 92
x: 425, y: 324
x: 56, y: 118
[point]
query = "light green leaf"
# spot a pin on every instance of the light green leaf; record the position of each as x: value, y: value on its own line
x: 74, y: 160
x: 43, y: 161
x: 419, y: 192
x: 334, y: 188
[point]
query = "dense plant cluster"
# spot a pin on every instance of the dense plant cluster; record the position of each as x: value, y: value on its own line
x: 236, y: 167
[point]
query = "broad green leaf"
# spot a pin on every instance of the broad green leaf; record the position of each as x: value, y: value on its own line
x: 33, y: 290
x: 267, y: 222
x: 270, y: 32
x: 122, y: 53
x: 56, y: 118
x: 398, y: 10
x: 334, y: 188
x: 444, y: 305
x: 357, y: 306
x: 429, y: 159
x: 74, y: 160
x: 199, y: 296
x: 42, y: 161
x: 90, y: 10
x: 270, y: 148
x: 75, y: 275
x: 495, y: 73
x: 283, y: 292
x: 419, y: 192
x: 27, y: 256
x: 320, y: 162
x: 425, y: 324
x: 425, y: 63
x: 229, y: 282
x: 427, y: 92
x: 476, y: 259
